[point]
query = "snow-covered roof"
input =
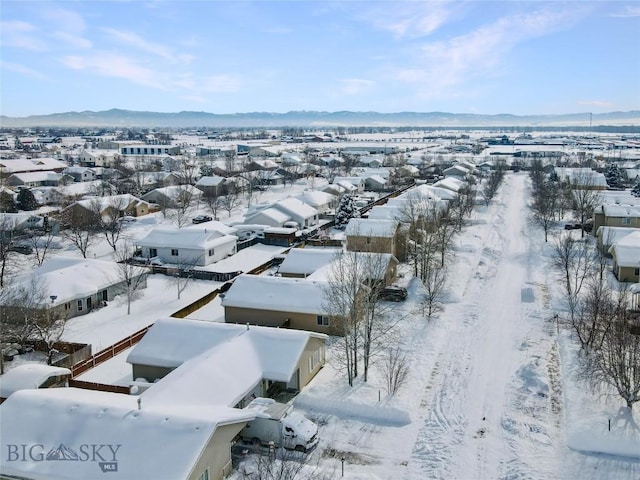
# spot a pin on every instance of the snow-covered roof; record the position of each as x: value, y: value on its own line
x: 385, y: 212
x: 295, y: 207
x: 375, y: 264
x: 348, y: 186
x: 375, y: 178
x: 122, y: 201
x: 28, y: 376
x: 170, y: 342
x: 611, y: 235
x: 315, y: 198
x: 627, y: 250
x: 64, y: 419
x: 30, y: 165
x: 450, y: 183
x: 211, y: 181
x: 43, y: 176
x: 621, y: 210
x: 69, y: 278
x: 190, y: 238
x: 305, y: 261
x: 175, y: 191
x: 272, y: 213
x: 266, y: 353
x: 276, y: 293
x: 371, y: 227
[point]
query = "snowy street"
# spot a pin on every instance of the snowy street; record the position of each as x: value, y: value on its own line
x: 485, y: 393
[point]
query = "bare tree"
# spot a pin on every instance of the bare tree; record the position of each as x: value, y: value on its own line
x: 80, y: 227
x: 42, y: 241
x: 435, y: 283
x: 231, y: 200
x: 491, y: 185
x: 181, y: 205
x: 395, y: 369
x: 181, y: 273
x: 343, y: 299
x: 132, y: 276
x: 616, y: 363
x: 109, y: 218
x: 280, y: 464
x: 585, y: 198
x: 214, y: 202
x: 545, y: 205
x: 7, y: 232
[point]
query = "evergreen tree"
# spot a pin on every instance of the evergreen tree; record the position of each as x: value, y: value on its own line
x: 635, y: 191
x: 346, y: 211
x: 613, y: 175
x: 26, y: 200
x: 7, y: 203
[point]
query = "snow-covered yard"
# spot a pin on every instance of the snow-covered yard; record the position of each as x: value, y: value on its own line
x: 490, y: 394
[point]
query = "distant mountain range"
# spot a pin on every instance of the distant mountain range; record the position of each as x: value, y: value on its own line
x: 129, y: 118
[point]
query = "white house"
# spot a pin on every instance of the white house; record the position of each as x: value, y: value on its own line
x: 79, y: 434
x: 302, y: 262
x: 267, y: 216
x: 321, y: 201
x: 192, y: 246
x: 357, y: 182
x: 192, y: 362
x: 301, y: 213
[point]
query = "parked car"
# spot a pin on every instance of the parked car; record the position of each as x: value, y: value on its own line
x: 23, y: 249
x: 278, y: 423
x: 393, y: 293
x: 202, y: 219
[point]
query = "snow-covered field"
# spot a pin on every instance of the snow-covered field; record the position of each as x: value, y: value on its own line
x: 489, y: 394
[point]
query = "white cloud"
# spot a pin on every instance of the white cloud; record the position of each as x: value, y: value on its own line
x: 19, y: 34
x: 75, y: 41
x: 18, y: 68
x: 355, y: 86
x: 446, y: 65
x: 65, y: 20
x: 136, y: 41
x: 107, y: 64
x: 409, y: 19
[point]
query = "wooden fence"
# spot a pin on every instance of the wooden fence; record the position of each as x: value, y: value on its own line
x: 103, y: 387
x: 108, y: 353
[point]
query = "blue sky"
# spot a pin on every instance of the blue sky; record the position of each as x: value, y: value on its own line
x: 520, y: 57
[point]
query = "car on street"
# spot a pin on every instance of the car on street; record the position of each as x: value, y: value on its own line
x: 393, y: 293
x: 202, y: 219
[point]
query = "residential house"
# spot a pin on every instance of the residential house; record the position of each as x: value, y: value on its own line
x: 81, y: 174
x: 357, y: 182
x: 302, y: 262
x: 374, y: 235
x: 143, y: 149
x: 31, y: 376
x: 38, y: 179
x: 109, y: 207
x: 582, y: 178
x: 214, y: 186
x: 450, y: 183
x: 613, y: 215
x: 607, y: 236
x: 375, y: 183
x: 301, y: 213
x: 97, y: 158
x: 626, y: 258
x: 379, y: 268
x: 321, y: 201
x: 185, y: 362
x: 266, y: 216
x: 24, y: 165
x: 192, y: 246
x: 112, y: 432
x: 457, y: 171
x: 173, y: 196
x: 68, y: 286
x: 278, y: 302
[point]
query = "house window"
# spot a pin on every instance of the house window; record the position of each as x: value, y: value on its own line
x: 204, y: 475
x: 323, y: 320
x: 368, y: 240
x: 174, y: 252
x: 636, y: 272
x: 79, y: 305
x: 626, y: 221
x: 314, y: 360
x: 211, y: 252
x: 67, y: 306
x: 153, y: 252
